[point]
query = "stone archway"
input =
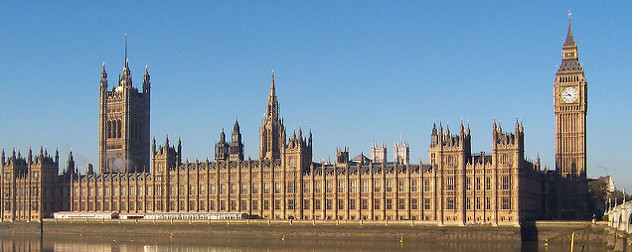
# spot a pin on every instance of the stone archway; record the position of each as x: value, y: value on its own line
x: 620, y: 221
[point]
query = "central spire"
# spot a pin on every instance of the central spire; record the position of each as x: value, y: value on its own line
x: 272, y: 108
x: 272, y: 93
x: 570, y: 40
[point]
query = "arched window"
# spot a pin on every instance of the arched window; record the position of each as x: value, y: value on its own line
x: 118, y: 128
x: 107, y: 131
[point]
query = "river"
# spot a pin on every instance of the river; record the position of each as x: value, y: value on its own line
x: 113, y: 242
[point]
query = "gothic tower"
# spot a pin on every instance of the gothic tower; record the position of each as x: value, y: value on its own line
x: 272, y: 134
x: 570, y: 103
x: 124, y: 123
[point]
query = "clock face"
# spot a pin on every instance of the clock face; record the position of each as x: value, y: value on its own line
x: 570, y: 94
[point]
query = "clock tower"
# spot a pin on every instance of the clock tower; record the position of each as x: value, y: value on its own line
x: 570, y: 103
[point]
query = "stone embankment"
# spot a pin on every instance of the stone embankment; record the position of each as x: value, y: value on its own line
x: 585, y: 232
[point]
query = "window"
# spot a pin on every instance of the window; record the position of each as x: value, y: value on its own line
x: 352, y: 186
x: 222, y: 189
x: 212, y: 189
x: 255, y: 188
x: 402, y: 204
x: 317, y: 204
x: 488, y: 183
x: 506, y: 160
x: 389, y: 204
x: 233, y: 189
x: 426, y: 203
x: 255, y: 205
x: 376, y: 187
x: 468, y: 184
x: 341, y: 186
x: 426, y: 184
x: 478, y: 183
x: 402, y: 186
x: 233, y: 205
x: 365, y: 186
x: 450, y: 160
x: 222, y: 205
x: 266, y: 205
x: 202, y: 190
x: 449, y: 185
x: 413, y: 204
x: 352, y: 204
x: 488, y: 203
x: 389, y: 185
x: 329, y: 185
x: 211, y: 205
x: 277, y: 187
x: 317, y: 187
x: 266, y: 188
x: 328, y: 204
x: 505, y: 182
x: 376, y: 204
x: 341, y: 204
x: 192, y: 190
x: 449, y: 204
x: 277, y: 204
x: 290, y: 187
x: 305, y: 187
x: 506, y: 203
x: 365, y: 204
x: 478, y: 203
x: 244, y: 188
x: 290, y: 204
x: 244, y: 205
x: 413, y: 185
x: 306, y: 204
x: 468, y: 203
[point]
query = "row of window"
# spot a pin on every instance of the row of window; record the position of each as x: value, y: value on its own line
x: 450, y: 204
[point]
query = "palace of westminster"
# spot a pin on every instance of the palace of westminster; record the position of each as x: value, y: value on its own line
x: 455, y: 187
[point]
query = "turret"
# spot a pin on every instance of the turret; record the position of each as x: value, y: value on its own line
x: 2, y: 158
x: 236, y: 146
x: 146, y: 82
x: 30, y: 156
x: 56, y: 156
x: 221, y: 148
x: 153, y: 145
x: 70, y: 164
x: 104, y: 79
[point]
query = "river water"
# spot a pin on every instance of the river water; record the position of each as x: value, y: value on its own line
x: 112, y: 242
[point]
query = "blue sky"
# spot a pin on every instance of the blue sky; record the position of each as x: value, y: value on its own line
x: 355, y: 72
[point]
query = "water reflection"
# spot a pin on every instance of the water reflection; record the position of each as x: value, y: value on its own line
x: 107, y: 242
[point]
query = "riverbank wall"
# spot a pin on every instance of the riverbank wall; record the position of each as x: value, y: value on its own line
x: 559, y: 231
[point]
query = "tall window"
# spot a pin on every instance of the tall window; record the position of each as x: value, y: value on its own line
x: 426, y: 184
x: 449, y: 204
x: 506, y: 202
x: 449, y: 185
x: 376, y: 187
x: 505, y: 182
x: 376, y: 204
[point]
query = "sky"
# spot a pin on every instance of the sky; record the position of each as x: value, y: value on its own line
x: 354, y: 72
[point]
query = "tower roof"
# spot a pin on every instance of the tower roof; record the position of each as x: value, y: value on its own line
x: 570, y: 40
